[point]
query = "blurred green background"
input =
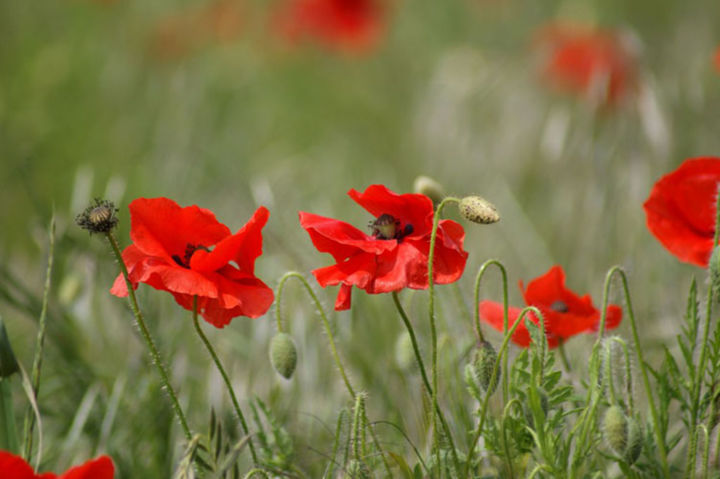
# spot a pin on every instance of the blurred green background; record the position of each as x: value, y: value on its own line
x: 94, y: 101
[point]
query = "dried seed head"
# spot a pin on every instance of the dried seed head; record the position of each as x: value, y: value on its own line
x: 479, y: 210
x: 430, y: 188
x: 615, y: 430
x: 99, y: 217
x: 283, y: 354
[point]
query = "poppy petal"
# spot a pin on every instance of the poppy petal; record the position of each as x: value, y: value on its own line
x: 411, y: 208
x: 344, y: 296
x: 15, y: 467
x: 492, y: 313
x: 100, y: 468
x: 357, y: 271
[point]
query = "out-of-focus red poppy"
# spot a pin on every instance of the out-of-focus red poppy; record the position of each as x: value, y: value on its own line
x: 565, y: 313
x: 353, y: 26
x: 717, y: 59
x: 680, y: 210
x: 395, y: 255
x: 15, y: 467
x: 188, y: 253
x: 181, y: 33
x: 597, y: 64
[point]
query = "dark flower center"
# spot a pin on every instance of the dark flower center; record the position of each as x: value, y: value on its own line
x: 189, y: 251
x: 559, y: 306
x: 386, y: 227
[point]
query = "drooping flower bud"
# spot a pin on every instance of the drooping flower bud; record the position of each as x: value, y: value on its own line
x: 8, y: 362
x: 430, y: 188
x: 483, y: 362
x: 615, y: 429
x: 479, y: 210
x: 283, y: 354
x: 99, y: 217
x: 635, y: 441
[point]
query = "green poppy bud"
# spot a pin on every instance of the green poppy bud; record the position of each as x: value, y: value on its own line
x: 635, y: 441
x: 479, y: 210
x: 430, y: 188
x: 483, y: 363
x: 283, y: 354
x: 615, y: 429
x: 8, y: 363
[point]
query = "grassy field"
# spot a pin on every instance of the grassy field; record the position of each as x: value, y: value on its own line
x: 125, y: 99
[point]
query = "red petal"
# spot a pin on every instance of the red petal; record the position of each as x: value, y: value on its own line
x: 15, y: 467
x: 409, y: 208
x: 548, y: 289
x: 243, y: 247
x: 492, y: 313
x: 680, y: 210
x: 132, y: 256
x: 341, y: 239
x: 344, y: 296
x: 160, y: 227
x: 100, y: 468
x: 358, y: 271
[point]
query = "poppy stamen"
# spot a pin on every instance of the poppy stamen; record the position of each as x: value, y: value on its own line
x: 386, y: 227
x: 560, y: 307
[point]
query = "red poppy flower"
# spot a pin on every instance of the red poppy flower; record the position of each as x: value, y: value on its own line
x: 171, y: 251
x: 349, y: 25
x: 395, y: 255
x: 565, y: 313
x: 15, y: 467
x: 680, y: 210
x: 596, y: 64
x: 717, y: 59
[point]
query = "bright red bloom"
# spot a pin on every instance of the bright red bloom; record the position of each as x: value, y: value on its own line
x: 565, y: 313
x: 680, y: 210
x: 395, y: 256
x: 349, y: 25
x: 597, y: 64
x: 171, y: 251
x: 15, y: 467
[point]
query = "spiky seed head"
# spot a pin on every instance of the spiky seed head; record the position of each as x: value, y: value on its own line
x: 283, y: 354
x: 98, y: 217
x: 430, y: 188
x: 615, y: 429
x: 479, y: 210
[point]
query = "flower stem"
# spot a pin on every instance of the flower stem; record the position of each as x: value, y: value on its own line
x: 154, y: 354
x: 431, y: 313
x: 225, y: 377
x: 39, y: 345
x: 423, y: 374
x: 331, y: 340
x: 478, y: 278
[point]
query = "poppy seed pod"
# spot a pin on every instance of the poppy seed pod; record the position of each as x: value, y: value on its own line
x: 479, y: 210
x: 483, y: 363
x: 99, y: 217
x: 615, y: 429
x: 430, y: 188
x: 283, y: 354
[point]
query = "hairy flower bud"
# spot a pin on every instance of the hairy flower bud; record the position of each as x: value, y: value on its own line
x: 483, y: 363
x: 479, y: 210
x: 283, y: 354
x: 99, y: 217
x: 615, y: 429
x: 430, y: 188
x: 635, y: 441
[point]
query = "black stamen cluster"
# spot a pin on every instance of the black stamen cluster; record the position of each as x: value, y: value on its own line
x: 99, y: 217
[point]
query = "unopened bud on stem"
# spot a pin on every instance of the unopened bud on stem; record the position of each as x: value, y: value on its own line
x: 478, y: 210
x: 430, y: 188
x: 283, y: 354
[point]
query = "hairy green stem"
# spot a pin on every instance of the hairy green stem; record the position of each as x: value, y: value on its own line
x: 423, y: 374
x: 154, y: 353
x: 223, y: 373
x: 39, y: 345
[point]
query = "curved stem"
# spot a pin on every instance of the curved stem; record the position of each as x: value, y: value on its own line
x: 483, y: 408
x: 478, y: 278
x: 228, y: 384
x: 154, y: 354
x: 423, y: 374
x: 331, y: 340
x: 431, y: 312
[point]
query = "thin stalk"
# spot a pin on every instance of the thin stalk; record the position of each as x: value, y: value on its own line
x: 706, y: 449
x: 628, y: 374
x: 608, y: 373
x: 563, y: 356
x: 506, y: 412
x: 700, y: 370
x: 39, y: 345
x: 496, y: 367
x: 431, y: 313
x: 478, y: 278
x: 154, y: 354
x: 331, y: 340
x: 228, y: 384
x: 423, y: 374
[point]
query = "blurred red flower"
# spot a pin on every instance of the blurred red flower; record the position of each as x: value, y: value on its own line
x: 353, y: 26
x: 15, y: 467
x: 171, y: 251
x: 717, y: 59
x: 597, y: 64
x: 177, y: 35
x: 395, y: 255
x: 566, y: 314
x: 680, y: 210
